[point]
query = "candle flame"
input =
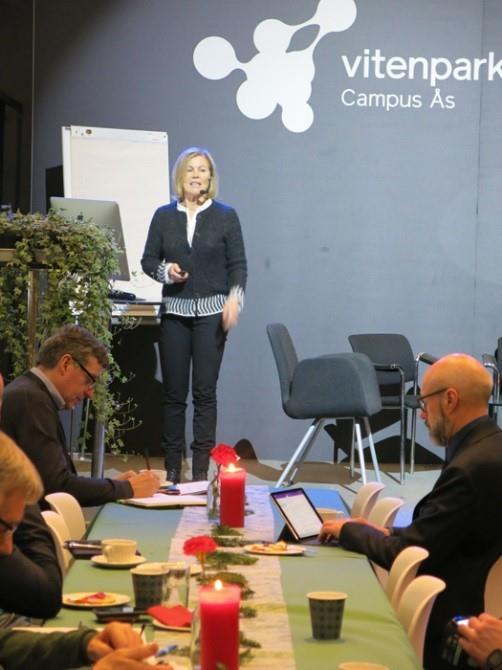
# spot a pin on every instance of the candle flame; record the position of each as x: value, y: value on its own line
x: 232, y: 468
x: 218, y: 585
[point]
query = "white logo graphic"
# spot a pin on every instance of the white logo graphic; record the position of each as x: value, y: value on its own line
x: 276, y: 76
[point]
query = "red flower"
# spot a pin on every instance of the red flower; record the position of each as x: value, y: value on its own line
x: 223, y: 454
x: 200, y: 544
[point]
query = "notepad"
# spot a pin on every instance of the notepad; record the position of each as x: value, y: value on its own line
x: 159, y: 500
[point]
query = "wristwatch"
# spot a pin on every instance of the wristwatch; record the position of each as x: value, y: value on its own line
x: 494, y: 660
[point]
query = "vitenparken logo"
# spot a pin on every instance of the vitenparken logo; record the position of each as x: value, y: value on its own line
x: 276, y: 76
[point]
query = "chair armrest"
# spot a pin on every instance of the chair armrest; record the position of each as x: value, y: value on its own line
x: 393, y: 367
x: 388, y: 367
x: 422, y: 357
x: 489, y: 361
x: 428, y: 359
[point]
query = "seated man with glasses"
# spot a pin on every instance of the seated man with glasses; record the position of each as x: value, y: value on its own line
x: 459, y: 522
x: 69, y: 364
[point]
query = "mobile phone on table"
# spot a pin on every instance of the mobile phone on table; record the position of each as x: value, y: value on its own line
x: 118, y: 613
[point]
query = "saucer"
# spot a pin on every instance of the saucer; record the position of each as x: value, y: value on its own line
x: 104, y: 563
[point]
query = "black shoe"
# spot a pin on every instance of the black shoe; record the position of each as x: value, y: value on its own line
x: 173, y: 476
x: 199, y: 476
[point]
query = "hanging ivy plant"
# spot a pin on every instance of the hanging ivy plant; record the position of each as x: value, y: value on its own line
x: 77, y: 259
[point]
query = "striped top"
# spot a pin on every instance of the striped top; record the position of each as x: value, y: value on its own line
x: 208, y: 245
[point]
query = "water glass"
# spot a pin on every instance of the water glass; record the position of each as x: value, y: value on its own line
x: 178, y: 584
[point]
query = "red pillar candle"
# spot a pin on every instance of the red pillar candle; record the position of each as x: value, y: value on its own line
x: 219, y: 626
x: 232, y: 495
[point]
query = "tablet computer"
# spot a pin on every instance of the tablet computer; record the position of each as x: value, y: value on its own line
x: 301, y: 517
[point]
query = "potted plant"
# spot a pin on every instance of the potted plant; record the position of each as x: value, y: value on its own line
x: 74, y: 260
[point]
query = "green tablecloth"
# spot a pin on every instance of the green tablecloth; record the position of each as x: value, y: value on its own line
x: 370, y: 629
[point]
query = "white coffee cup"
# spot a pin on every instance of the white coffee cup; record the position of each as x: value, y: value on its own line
x: 118, y: 550
x: 161, y: 474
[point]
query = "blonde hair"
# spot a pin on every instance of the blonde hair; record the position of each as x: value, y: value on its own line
x: 180, y: 168
x: 17, y: 472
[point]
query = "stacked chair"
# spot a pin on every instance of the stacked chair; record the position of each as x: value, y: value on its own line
x: 414, y: 608
x: 385, y: 510
x: 365, y: 499
x: 69, y: 508
x: 60, y: 534
x: 403, y: 571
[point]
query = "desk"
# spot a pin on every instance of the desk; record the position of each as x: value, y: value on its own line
x: 370, y: 629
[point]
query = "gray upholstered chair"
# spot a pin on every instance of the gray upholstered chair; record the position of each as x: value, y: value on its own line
x: 494, y: 365
x: 396, y: 368
x: 326, y: 387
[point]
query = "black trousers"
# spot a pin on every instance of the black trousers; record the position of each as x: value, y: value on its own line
x: 197, y: 343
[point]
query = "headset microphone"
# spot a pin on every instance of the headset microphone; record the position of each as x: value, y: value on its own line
x: 202, y: 196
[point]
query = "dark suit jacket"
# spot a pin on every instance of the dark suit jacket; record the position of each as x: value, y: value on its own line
x: 459, y: 522
x: 30, y: 577
x: 30, y: 417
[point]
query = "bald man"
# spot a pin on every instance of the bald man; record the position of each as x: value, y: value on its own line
x: 460, y: 521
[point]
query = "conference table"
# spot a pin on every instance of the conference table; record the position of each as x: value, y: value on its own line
x: 370, y: 631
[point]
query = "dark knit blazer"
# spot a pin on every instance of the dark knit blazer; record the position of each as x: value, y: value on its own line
x: 216, y: 262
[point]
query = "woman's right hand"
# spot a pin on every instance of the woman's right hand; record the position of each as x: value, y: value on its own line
x: 176, y: 274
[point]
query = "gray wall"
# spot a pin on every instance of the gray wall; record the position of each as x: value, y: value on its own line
x: 370, y: 220
x: 16, y: 27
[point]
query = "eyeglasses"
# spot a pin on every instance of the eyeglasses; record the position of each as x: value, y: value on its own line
x: 92, y: 378
x: 6, y: 527
x: 421, y: 398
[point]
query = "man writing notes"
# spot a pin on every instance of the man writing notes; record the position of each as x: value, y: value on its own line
x: 69, y: 364
x: 459, y: 522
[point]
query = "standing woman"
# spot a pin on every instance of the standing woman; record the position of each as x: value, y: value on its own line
x: 195, y: 249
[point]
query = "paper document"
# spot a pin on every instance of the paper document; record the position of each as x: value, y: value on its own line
x: 163, y: 500
x: 192, y: 488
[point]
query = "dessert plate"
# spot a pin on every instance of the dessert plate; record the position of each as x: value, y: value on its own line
x: 273, y: 550
x: 92, y: 599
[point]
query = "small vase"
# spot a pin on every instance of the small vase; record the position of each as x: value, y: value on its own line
x: 213, y: 498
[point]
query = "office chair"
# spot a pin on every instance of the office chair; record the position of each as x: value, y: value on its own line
x: 321, y: 388
x: 395, y: 364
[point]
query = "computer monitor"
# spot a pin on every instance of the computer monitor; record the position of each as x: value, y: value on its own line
x: 105, y: 213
